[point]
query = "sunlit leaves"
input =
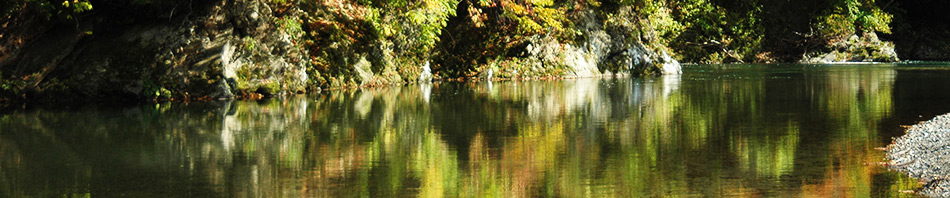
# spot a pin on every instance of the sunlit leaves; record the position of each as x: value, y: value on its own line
x: 537, y: 16
x: 77, y: 6
x: 52, y: 9
x: 853, y: 16
x: 393, y: 35
x: 426, y: 20
x: 712, y: 33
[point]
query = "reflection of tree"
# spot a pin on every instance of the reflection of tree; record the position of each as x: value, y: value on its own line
x: 717, y: 132
x: 106, y: 152
x: 739, y: 135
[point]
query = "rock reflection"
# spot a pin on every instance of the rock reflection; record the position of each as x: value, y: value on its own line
x: 794, y: 132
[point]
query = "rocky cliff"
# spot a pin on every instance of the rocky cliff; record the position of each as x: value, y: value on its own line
x: 146, y: 50
x: 184, y: 50
x: 217, y: 49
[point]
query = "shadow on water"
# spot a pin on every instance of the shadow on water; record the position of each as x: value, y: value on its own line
x: 729, y: 130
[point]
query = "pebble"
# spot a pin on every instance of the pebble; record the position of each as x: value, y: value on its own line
x: 924, y: 153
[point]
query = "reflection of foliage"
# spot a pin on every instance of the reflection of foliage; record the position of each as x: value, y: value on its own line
x: 582, y: 138
x: 549, y: 149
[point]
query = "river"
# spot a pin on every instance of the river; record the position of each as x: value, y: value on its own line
x: 716, y: 130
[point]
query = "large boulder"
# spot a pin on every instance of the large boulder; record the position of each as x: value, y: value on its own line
x: 865, y: 48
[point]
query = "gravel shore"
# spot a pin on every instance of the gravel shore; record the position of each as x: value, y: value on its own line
x: 924, y: 153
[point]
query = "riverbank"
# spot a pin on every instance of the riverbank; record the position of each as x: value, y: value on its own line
x: 206, y: 50
x: 924, y: 154
x: 210, y: 50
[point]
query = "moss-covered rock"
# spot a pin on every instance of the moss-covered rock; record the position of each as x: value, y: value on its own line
x: 866, y: 48
x: 586, y: 39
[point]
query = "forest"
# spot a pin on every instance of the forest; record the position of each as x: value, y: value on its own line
x: 206, y: 49
x: 474, y: 98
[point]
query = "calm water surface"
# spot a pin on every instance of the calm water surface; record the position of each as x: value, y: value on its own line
x: 718, y: 131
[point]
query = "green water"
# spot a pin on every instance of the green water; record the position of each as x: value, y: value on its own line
x: 717, y: 131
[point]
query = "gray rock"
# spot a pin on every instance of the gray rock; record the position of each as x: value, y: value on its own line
x: 866, y: 48
x: 426, y: 75
x: 221, y: 91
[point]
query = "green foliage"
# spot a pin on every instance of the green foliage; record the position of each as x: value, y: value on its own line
x: 535, y: 16
x: 249, y: 43
x: 51, y: 9
x: 736, y: 30
x: 402, y: 34
x: 291, y: 25
x: 413, y: 26
x: 715, y: 34
x: 489, y: 29
x: 397, y: 35
x: 10, y: 86
x: 848, y: 17
x: 659, y: 18
x: 77, y: 6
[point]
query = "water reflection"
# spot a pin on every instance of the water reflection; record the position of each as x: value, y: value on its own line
x: 729, y: 131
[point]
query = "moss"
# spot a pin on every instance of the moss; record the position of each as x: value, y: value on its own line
x: 290, y: 25
x: 268, y: 88
x: 249, y: 43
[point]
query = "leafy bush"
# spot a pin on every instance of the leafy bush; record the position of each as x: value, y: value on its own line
x: 339, y: 33
x: 715, y: 34
x: 489, y: 29
x: 64, y: 9
x: 414, y: 26
x: 847, y: 17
